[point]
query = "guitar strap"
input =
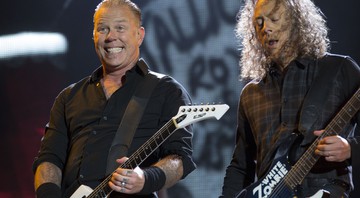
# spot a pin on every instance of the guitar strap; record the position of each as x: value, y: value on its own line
x: 316, y: 96
x: 131, y: 117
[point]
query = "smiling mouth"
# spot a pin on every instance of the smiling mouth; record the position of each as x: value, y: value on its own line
x: 114, y: 50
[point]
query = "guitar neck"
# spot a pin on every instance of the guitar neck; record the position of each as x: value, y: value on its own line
x: 303, y: 166
x: 150, y: 146
x: 138, y: 156
x: 186, y: 116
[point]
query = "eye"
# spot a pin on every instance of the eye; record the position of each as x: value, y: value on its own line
x: 102, y: 29
x: 274, y: 19
x: 260, y: 22
x: 120, y: 28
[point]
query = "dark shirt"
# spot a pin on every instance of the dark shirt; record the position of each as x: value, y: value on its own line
x: 269, y: 112
x: 83, y: 124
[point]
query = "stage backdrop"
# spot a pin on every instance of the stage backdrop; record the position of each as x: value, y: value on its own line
x: 193, y: 41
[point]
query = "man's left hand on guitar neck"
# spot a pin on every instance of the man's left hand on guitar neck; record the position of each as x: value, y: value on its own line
x: 334, y: 148
x: 127, y: 180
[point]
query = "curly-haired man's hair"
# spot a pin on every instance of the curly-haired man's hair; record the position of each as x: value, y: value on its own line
x: 309, y: 36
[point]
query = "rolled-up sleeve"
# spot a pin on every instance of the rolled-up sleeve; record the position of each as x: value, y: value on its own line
x: 180, y: 142
x: 54, y: 143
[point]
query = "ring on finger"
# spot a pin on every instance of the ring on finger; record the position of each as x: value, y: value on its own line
x: 125, y: 180
x: 128, y: 172
x: 123, y: 184
x: 122, y: 190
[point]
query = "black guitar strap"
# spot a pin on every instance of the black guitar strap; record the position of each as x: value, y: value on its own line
x: 315, y: 98
x: 131, y: 117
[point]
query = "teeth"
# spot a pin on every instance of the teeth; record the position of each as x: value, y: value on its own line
x: 115, y: 49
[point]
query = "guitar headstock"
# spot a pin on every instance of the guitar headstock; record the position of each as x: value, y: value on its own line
x: 194, y: 113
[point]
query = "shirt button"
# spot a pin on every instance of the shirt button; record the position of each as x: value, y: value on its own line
x: 81, y: 176
x: 105, y: 117
x: 94, y: 132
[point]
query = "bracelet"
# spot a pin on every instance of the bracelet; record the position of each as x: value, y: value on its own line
x: 48, y: 190
x: 155, y: 179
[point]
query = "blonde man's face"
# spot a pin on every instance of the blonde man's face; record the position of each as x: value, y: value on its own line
x: 117, y: 36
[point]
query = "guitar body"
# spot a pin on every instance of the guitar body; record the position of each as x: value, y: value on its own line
x: 273, y: 184
x: 265, y: 186
x: 82, y: 192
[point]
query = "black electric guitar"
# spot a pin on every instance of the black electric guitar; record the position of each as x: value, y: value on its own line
x: 282, y: 179
x: 186, y: 116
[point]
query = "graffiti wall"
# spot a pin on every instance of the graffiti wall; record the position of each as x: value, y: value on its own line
x: 194, y: 42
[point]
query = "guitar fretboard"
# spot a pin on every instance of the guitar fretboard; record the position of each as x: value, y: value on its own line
x: 303, y: 166
x: 139, y: 156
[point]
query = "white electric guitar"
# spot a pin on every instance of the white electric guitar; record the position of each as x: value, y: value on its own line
x: 186, y: 116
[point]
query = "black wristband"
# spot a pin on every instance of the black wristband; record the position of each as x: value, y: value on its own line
x: 155, y: 179
x: 48, y: 190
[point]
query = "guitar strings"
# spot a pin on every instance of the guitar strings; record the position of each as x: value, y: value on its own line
x: 291, y: 179
x: 152, y: 140
x: 104, y: 184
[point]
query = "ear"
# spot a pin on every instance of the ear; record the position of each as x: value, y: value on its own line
x: 141, y: 35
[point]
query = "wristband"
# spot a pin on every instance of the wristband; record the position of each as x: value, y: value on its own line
x: 48, y: 190
x: 155, y: 179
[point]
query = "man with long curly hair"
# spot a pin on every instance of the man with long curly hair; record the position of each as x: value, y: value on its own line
x: 295, y: 89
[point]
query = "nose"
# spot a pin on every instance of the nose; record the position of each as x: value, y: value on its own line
x: 267, y: 27
x: 111, y: 35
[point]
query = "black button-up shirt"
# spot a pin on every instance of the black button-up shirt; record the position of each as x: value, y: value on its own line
x: 83, y: 124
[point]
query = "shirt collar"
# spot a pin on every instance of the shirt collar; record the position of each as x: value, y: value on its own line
x: 302, y: 63
x: 140, y: 68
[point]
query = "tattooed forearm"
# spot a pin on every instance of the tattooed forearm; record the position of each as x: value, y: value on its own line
x: 47, y: 172
x: 173, y: 168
